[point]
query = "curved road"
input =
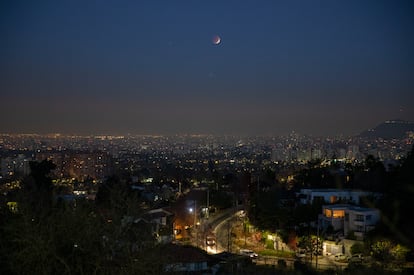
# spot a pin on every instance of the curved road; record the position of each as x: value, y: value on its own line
x: 215, y: 226
x: 220, y: 225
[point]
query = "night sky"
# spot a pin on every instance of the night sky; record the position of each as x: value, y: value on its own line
x: 151, y: 67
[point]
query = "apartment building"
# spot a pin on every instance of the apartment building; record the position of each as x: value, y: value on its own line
x: 309, y: 196
x: 347, y: 219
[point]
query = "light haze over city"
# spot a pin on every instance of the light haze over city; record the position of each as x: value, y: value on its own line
x: 154, y: 67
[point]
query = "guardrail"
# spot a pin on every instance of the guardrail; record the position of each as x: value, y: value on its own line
x: 293, y: 263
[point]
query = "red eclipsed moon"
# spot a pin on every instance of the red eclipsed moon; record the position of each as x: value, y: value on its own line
x: 216, y: 40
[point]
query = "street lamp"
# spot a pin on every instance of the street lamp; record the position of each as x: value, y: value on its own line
x: 194, y: 212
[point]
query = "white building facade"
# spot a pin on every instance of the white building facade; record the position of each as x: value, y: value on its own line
x: 309, y: 196
x: 348, y: 219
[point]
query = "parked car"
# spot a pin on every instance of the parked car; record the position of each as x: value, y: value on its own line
x: 248, y: 252
x: 210, y: 240
x: 301, y: 253
x: 340, y: 257
x: 356, y: 258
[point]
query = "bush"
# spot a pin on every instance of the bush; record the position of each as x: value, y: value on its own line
x: 357, y: 248
x: 277, y: 253
x: 269, y: 244
x: 281, y: 263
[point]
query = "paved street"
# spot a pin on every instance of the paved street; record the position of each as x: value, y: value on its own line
x: 214, y: 226
x: 221, y: 226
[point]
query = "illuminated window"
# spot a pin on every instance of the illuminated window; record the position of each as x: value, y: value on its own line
x: 338, y: 213
x: 328, y: 213
x: 333, y: 199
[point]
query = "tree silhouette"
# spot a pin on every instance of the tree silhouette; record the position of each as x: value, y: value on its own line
x: 396, y: 205
x: 46, y: 236
x: 37, y: 190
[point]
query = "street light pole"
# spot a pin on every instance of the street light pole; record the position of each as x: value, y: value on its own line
x: 195, y: 213
x: 195, y: 222
x: 208, y: 202
x: 317, y: 245
x: 228, y: 236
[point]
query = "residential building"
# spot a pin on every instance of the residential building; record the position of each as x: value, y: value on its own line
x: 186, y: 260
x: 360, y: 220
x: 162, y: 224
x: 80, y: 165
x: 16, y: 165
x: 348, y: 219
x: 309, y: 196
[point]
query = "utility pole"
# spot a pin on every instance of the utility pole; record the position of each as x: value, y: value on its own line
x: 244, y: 230
x: 310, y: 242
x: 317, y: 245
x: 208, y: 203
x: 195, y: 213
x: 195, y: 222
x: 228, y: 236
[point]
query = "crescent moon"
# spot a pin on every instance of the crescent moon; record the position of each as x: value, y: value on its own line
x: 216, y: 40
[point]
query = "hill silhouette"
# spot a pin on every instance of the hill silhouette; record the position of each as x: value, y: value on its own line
x: 389, y: 129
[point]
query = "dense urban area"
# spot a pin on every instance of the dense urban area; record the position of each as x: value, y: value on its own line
x: 207, y: 137
x: 200, y: 204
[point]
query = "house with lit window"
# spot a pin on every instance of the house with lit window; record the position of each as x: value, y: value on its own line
x: 333, y: 215
x: 162, y: 224
x: 331, y: 195
x: 346, y: 219
x: 360, y: 220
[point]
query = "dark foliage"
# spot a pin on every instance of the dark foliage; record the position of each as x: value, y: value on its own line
x: 49, y: 236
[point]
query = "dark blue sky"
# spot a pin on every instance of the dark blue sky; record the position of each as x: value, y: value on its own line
x: 117, y: 67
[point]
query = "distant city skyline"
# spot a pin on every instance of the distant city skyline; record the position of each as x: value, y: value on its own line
x: 154, y: 67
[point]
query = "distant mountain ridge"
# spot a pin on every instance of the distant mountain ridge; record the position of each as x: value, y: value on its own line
x: 389, y: 129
